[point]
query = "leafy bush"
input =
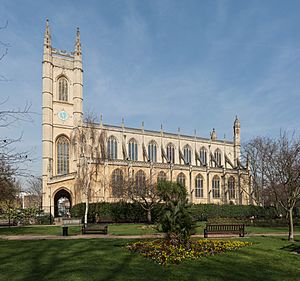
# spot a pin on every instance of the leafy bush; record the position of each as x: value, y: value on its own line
x: 44, y: 218
x: 175, y: 218
x: 114, y: 212
x: 204, y: 212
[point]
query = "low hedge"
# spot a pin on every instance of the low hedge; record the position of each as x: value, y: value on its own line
x: 133, y: 212
x: 114, y: 212
x: 204, y: 212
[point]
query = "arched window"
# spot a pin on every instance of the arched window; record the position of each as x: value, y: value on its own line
x: 161, y: 176
x: 152, y: 151
x: 218, y: 156
x: 231, y: 188
x: 199, y: 186
x: 63, y: 89
x: 187, y: 154
x: 112, y: 148
x: 132, y: 150
x: 181, y: 179
x: 171, y: 153
x: 140, y: 181
x: 203, y: 155
x: 216, y: 187
x: 117, y: 182
x: 62, y: 155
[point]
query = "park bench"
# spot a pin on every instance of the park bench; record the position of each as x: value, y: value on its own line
x: 224, y: 229
x: 96, y: 228
x: 69, y: 222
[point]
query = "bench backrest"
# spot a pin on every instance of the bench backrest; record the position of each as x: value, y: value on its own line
x: 69, y: 222
x: 224, y: 227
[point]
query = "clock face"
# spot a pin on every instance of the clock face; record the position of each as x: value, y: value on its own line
x: 62, y: 115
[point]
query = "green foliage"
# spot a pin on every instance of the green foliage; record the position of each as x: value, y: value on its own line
x: 27, y: 216
x: 204, y: 212
x: 175, y: 217
x: 114, y: 212
x: 44, y: 218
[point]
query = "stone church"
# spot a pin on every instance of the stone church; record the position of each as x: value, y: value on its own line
x: 210, y: 169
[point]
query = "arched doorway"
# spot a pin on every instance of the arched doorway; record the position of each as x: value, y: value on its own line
x: 62, y: 203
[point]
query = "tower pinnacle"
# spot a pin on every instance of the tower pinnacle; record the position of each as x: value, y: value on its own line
x: 47, y: 36
x: 77, y: 43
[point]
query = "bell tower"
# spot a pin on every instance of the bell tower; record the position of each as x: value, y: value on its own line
x: 62, y: 104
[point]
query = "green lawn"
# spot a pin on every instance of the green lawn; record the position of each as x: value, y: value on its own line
x: 120, y: 229
x: 38, y: 230
x: 98, y: 259
x: 131, y: 229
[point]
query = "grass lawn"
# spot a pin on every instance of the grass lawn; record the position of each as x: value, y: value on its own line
x: 114, y: 229
x: 38, y: 230
x: 120, y: 229
x: 98, y: 259
x: 131, y: 229
x: 250, y: 229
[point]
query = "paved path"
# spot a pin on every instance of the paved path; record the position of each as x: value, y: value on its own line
x: 89, y: 236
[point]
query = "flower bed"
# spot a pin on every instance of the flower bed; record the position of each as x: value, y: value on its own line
x: 164, y: 253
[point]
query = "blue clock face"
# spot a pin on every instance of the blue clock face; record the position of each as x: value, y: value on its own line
x: 62, y: 115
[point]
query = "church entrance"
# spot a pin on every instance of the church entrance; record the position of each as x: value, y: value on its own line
x: 62, y: 203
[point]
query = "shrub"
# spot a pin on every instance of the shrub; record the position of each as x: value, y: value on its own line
x: 114, y: 212
x: 204, y: 212
x: 175, y: 217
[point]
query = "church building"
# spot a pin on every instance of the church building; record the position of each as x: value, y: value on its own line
x: 210, y: 169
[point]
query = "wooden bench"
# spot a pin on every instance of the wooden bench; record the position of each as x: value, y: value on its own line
x: 69, y: 222
x: 224, y: 229
x: 94, y: 228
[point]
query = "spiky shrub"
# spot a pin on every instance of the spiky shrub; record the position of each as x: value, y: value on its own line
x: 175, y: 217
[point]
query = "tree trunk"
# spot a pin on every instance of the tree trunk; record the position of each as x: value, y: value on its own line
x: 86, y: 210
x: 149, y: 217
x: 291, y: 225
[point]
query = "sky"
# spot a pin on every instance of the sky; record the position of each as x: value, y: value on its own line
x: 188, y: 64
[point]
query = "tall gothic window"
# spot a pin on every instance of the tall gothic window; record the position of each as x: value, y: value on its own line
x: 161, y: 176
x: 181, y: 179
x: 63, y: 89
x: 112, y: 148
x: 218, y: 156
x: 187, y: 154
x: 140, y: 181
x: 216, y: 187
x: 231, y: 188
x: 203, y: 156
x: 132, y: 150
x: 199, y: 186
x: 171, y: 153
x: 152, y: 151
x: 117, y: 183
x: 62, y: 155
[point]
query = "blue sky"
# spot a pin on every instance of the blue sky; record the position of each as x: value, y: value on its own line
x: 188, y: 64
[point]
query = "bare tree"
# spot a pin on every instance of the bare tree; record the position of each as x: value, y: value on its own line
x: 140, y: 190
x: 35, y: 188
x: 87, y: 141
x: 253, y: 155
x: 280, y: 172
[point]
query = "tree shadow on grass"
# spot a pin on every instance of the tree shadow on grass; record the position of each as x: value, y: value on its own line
x: 73, y: 260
